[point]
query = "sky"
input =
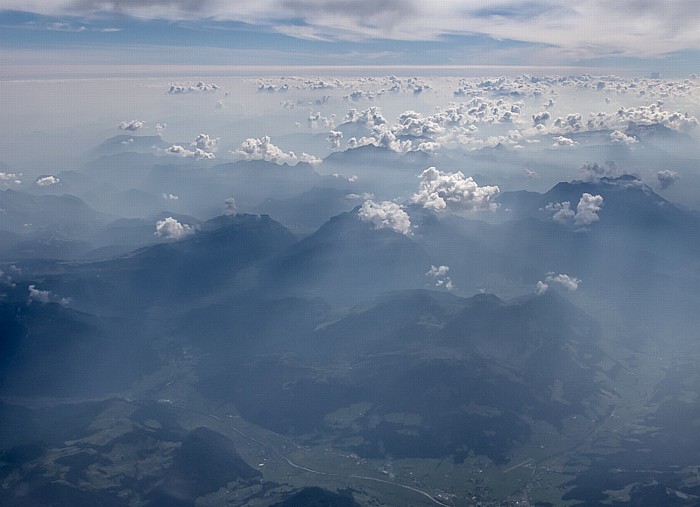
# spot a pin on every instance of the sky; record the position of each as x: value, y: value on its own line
x: 635, y: 37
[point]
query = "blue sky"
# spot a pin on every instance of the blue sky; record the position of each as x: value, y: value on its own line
x: 633, y: 37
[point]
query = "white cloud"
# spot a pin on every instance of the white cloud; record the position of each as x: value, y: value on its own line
x: 169, y: 197
x: 365, y: 196
x: 132, y: 125
x: 438, y: 190
x: 45, y: 181
x: 309, y: 159
x: 206, y: 143
x: 619, y: 137
x: 370, y: 117
x: 541, y: 287
x: 582, y: 29
x: 334, y: 137
x: 385, y: 215
x: 666, y: 178
x: 8, y: 178
x: 160, y: 127
x: 317, y: 120
x: 570, y: 283
x: 440, y: 274
x: 562, y: 211
x: 530, y: 174
x: 180, y: 151
x: 190, y: 87
x: 541, y: 118
x: 169, y: 228
x: 230, y: 207
x: 39, y: 296
x: 592, y: 172
x: 564, y: 142
x: 263, y: 149
x: 587, y: 209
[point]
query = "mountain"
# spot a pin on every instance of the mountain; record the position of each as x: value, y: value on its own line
x: 126, y: 143
x: 24, y: 212
x: 347, y: 259
x: 306, y: 212
x: 437, y: 375
x: 151, y: 460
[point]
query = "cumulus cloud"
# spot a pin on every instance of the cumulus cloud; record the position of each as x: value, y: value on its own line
x: 334, y: 137
x: 169, y: 197
x: 8, y: 178
x: 39, y: 296
x: 541, y: 118
x: 365, y: 196
x: 370, y: 117
x: 169, y: 228
x: 586, y: 211
x: 564, y: 142
x: 570, y: 283
x: 317, y: 120
x: 541, y: 287
x: 190, y: 87
x: 263, y: 149
x: 132, y: 125
x: 666, y: 178
x: 206, y: 143
x: 45, y: 181
x: 592, y: 172
x: 230, y: 207
x: 619, y: 137
x: 180, y: 151
x: 440, y: 274
x: 438, y: 190
x: 385, y: 215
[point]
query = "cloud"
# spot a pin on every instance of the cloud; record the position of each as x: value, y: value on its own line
x: 169, y: 197
x: 190, y: 87
x: 8, y: 178
x: 180, y: 151
x: 439, y: 273
x: 621, y: 138
x: 370, y: 117
x: 45, y: 181
x: 591, y: 172
x: 39, y: 296
x: 385, y: 215
x: 230, y: 207
x: 530, y: 174
x: 263, y: 149
x: 541, y: 118
x: 666, y: 178
x: 570, y: 283
x: 541, y: 287
x: 586, y: 210
x: 132, y: 125
x: 206, y: 143
x: 169, y: 228
x: 562, y: 211
x: 317, y: 120
x: 564, y: 142
x: 575, y: 30
x: 334, y: 137
x: 438, y: 190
